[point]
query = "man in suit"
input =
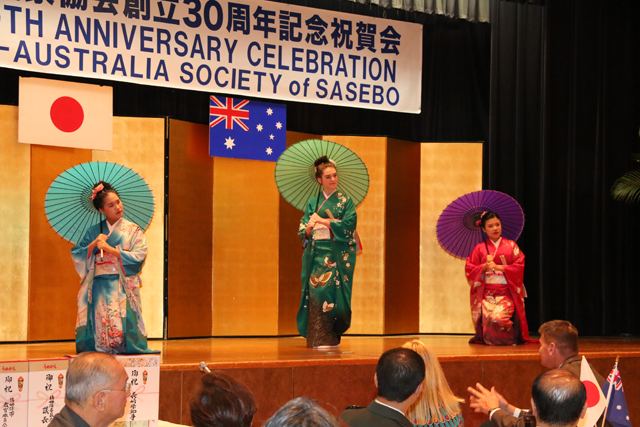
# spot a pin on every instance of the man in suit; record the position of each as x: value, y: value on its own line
x: 558, y: 398
x: 398, y: 377
x: 558, y: 350
x: 96, y: 393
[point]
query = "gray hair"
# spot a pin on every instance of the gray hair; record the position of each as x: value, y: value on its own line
x: 88, y: 373
x: 302, y: 412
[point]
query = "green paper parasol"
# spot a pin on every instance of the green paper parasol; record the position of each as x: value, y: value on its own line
x: 68, y: 203
x: 295, y: 173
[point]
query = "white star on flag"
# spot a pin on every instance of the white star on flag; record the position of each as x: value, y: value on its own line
x: 259, y: 127
x: 271, y: 136
x: 269, y: 151
x: 269, y: 111
x: 618, y: 407
x: 278, y: 125
x: 229, y: 143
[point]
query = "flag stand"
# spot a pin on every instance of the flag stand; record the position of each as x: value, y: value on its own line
x: 604, y: 417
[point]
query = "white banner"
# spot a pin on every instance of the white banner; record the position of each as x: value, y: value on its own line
x: 246, y: 47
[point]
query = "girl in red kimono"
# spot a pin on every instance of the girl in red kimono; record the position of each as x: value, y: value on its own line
x: 494, y: 271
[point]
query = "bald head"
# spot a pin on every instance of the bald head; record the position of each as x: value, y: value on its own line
x: 88, y: 373
x: 559, y: 398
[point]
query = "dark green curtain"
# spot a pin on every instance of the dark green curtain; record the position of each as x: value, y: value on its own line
x: 563, y: 122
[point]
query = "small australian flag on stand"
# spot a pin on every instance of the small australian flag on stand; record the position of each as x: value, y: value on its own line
x: 245, y: 129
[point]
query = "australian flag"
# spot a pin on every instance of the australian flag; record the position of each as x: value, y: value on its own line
x: 617, y: 414
x: 245, y: 129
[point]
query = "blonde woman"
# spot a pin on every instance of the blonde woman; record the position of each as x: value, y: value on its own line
x: 437, y: 406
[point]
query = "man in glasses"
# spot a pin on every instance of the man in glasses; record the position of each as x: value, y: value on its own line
x: 96, y: 393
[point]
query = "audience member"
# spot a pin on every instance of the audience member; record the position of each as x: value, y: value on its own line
x: 302, y: 412
x: 398, y: 377
x: 558, y: 350
x: 437, y: 406
x: 96, y: 392
x: 222, y: 402
x: 558, y: 399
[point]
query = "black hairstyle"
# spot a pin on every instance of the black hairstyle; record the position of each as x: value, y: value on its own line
x: 222, y: 402
x: 400, y: 371
x: 559, y: 397
x: 321, y: 164
x: 563, y: 334
x: 98, y: 201
x: 302, y: 412
x: 487, y: 216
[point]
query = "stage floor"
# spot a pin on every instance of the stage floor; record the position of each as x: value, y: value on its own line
x: 279, y: 369
x: 225, y: 353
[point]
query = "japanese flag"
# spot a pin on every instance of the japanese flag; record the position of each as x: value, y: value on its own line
x: 65, y: 114
x: 596, y: 401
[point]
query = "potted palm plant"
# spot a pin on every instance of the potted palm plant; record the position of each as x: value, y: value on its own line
x: 627, y: 187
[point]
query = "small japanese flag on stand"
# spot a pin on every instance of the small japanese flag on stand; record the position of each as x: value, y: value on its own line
x: 596, y: 401
x: 65, y: 114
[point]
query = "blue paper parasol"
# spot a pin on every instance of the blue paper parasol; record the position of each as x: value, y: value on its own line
x: 68, y: 204
x: 457, y: 231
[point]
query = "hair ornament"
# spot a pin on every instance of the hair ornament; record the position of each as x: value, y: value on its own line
x: 479, y: 222
x: 96, y: 190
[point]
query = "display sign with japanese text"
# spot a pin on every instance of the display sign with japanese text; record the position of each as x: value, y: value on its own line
x: 47, y: 380
x: 14, y: 393
x: 144, y: 379
x: 247, y: 47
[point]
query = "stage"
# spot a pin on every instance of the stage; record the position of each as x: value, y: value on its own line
x: 278, y: 369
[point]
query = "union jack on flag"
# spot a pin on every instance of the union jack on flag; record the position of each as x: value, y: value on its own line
x: 245, y: 129
x: 617, y: 412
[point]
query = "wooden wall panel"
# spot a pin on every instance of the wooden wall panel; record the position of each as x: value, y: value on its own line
x: 53, y: 281
x: 448, y: 171
x: 290, y: 257
x: 402, y: 249
x: 138, y: 143
x: 189, y: 225
x: 15, y: 171
x: 245, y: 248
x: 367, y: 301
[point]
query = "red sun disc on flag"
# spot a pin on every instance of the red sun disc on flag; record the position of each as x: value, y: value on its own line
x: 67, y: 114
x: 593, y: 397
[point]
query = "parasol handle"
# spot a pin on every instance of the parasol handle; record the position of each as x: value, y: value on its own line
x: 101, y: 255
x: 329, y: 213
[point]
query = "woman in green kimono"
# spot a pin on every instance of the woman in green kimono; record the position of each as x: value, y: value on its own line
x: 328, y: 232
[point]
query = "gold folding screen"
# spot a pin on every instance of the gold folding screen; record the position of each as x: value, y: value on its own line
x: 448, y: 171
x: 15, y: 177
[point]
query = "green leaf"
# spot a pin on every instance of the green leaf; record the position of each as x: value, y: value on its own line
x: 627, y: 187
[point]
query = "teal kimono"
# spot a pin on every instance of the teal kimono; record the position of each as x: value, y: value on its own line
x: 109, y: 310
x: 328, y: 262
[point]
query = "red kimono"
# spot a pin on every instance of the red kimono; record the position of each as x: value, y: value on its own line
x: 496, y: 297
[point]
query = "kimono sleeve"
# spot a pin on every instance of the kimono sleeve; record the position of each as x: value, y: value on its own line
x: 344, y: 229
x: 514, y: 272
x: 133, y: 259
x: 473, y: 266
x: 304, y: 222
x: 82, y: 261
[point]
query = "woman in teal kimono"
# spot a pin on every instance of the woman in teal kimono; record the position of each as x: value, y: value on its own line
x: 328, y: 232
x: 109, y: 259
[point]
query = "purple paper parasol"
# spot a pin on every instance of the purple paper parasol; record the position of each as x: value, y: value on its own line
x: 457, y: 231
